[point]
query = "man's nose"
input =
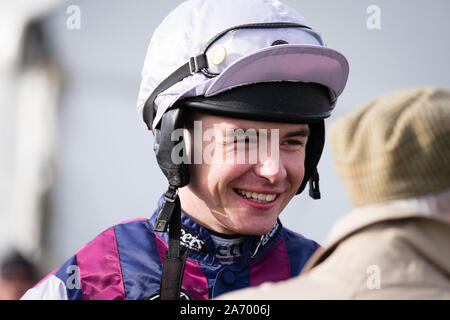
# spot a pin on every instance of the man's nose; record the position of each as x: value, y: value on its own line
x: 271, y: 168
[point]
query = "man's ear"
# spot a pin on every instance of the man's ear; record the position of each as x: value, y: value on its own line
x: 176, y: 172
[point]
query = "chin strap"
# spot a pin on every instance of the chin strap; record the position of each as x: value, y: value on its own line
x: 169, y: 218
x: 314, y: 190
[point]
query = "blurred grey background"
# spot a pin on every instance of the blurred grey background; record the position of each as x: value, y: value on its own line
x: 99, y: 168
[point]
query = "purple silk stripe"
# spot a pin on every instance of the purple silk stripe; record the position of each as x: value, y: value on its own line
x: 100, y: 273
x: 274, y: 266
x: 194, y: 281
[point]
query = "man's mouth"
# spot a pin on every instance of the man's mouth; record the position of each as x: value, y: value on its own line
x: 256, y: 196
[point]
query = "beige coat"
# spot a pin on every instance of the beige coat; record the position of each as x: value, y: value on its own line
x: 372, y: 254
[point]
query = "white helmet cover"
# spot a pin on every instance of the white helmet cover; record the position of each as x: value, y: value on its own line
x: 243, y: 57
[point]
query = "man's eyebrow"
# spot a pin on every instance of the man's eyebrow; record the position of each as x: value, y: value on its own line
x: 230, y: 132
x: 304, y: 132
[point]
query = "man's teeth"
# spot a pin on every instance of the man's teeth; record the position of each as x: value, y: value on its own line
x: 258, y: 197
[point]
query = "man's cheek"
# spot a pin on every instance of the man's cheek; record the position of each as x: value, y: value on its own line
x: 296, y: 172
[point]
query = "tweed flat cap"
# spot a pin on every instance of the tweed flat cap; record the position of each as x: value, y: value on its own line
x: 395, y: 147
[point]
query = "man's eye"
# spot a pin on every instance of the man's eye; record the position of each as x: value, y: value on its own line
x: 245, y: 140
x: 294, y: 142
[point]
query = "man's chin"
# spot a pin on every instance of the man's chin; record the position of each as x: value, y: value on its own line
x: 255, y: 228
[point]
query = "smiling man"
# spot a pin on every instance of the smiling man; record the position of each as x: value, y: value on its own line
x: 235, y: 93
x: 245, y: 197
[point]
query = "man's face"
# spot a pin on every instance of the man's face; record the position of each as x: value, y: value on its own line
x: 232, y: 190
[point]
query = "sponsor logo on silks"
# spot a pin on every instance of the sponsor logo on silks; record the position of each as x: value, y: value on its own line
x: 264, y: 240
x: 229, y: 253
x: 192, y: 241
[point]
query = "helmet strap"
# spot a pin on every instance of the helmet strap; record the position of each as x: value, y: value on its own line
x: 169, y: 219
x: 314, y: 190
x: 194, y: 65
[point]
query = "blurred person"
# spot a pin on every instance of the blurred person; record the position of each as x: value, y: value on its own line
x: 30, y: 86
x: 218, y: 67
x: 393, y: 157
x: 17, y: 275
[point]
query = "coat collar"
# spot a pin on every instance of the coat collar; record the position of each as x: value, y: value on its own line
x: 366, y: 216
